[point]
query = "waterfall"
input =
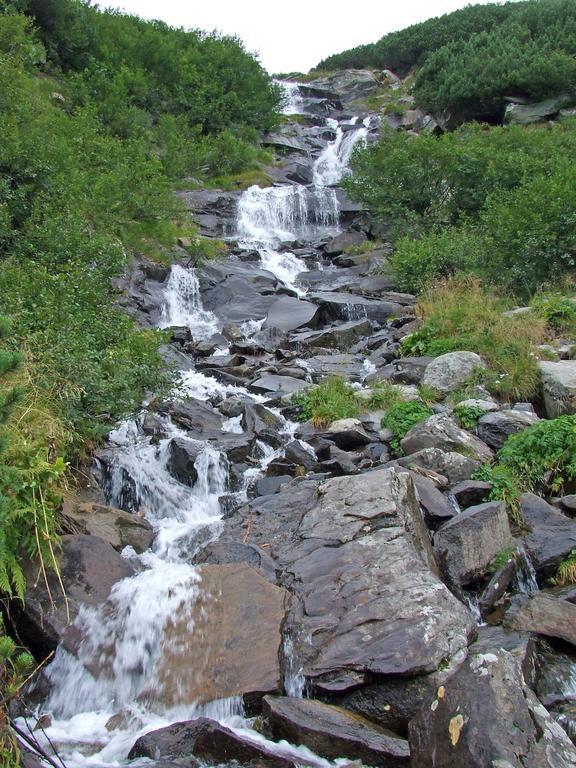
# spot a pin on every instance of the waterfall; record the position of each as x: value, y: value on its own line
x: 332, y: 165
x: 293, y: 102
x: 183, y: 305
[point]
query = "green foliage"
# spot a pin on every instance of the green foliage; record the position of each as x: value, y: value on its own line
x: 500, y: 560
x: 468, y: 415
x: 334, y: 399
x: 544, y: 455
x: 402, y: 417
x: 566, y: 571
x: 558, y: 309
x: 15, y: 666
x: 506, y: 487
x: 462, y: 314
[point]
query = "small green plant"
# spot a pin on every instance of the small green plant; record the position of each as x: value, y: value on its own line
x: 428, y: 394
x: 468, y: 415
x: 332, y: 399
x: 566, y: 571
x: 506, y: 487
x: 559, y: 311
x: 402, y: 417
x: 15, y: 666
x: 500, y: 559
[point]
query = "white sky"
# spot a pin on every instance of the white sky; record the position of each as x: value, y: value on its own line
x: 295, y: 35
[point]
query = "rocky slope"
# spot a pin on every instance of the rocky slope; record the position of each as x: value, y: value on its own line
x: 297, y: 573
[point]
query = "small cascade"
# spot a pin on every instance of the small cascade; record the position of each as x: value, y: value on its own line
x: 525, y: 579
x: 183, y: 305
x: 332, y: 165
x: 294, y: 680
x: 293, y: 102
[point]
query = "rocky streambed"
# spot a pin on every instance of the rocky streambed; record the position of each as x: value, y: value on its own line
x: 245, y: 588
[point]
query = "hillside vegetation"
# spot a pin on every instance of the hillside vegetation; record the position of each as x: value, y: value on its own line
x: 102, y: 113
x: 470, y: 60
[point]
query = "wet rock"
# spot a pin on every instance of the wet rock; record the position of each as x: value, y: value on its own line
x: 348, y: 434
x: 228, y: 552
x: 468, y: 723
x: 209, y: 741
x: 182, y: 457
x: 449, y: 372
x: 235, y: 640
x: 558, y: 387
x: 268, y: 485
x: 349, y: 306
x: 232, y: 407
x: 441, y: 432
x: 471, y: 492
x: 296, y: 453
x: 495, y: 428
x: 339, y: 462
x: 332, y: 732
x: 120, y: 529
x: 552, y: 536
x: 236, y: 447
x: 341, y: 337
x: 543, y: 614
x: 497, y: 586
x: 89, y: 568
x: 341, y: 242
x: 522, y: 645
x: 268, y: 383
x: 467, y: 544
x: 437, y: 508
x: 287, y: 314
x: 200, y: 420
x: 454, y: 466
x: 257, y: 419
x: 153, y: 426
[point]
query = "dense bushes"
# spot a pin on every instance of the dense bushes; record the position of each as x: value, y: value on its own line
x: 472, y: 58
x: 498, y: 202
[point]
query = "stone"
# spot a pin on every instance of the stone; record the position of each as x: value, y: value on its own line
x: 228, y: 552
x: 552, y: 535
x: 485, y: 715
x: 441, y: 431
x: 199, y: 419
x: 495, y: 428
x: 349, y: 306
x: 487, y: 406
x: 350, y: 366
x: 89, y: 568
x: 543, y: 614
x: 333, y: 733
x: 410, y: 370
x: 356, y: 554
x: 451, y: 371
x: 257, y: 419
x: 268, y: 485
x: 208, y: 740
x: 569, y: 503
x: 470, y: 492
x: 182, y: 457
x: 436, y: 506
x: 117, y: 527
x: 295, y: 452
x: 348, y: 434
x: 341, y: 242
x: 558, y: 387
x: 524, y: 114
x: 288, y: 313
x: 454, y: 466
x: 467, y: 544
x: 235, y: 640
x: 339, y: 463
x: 269, y: 383
x: 341, y: 337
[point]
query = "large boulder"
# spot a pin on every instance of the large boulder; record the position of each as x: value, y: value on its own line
x: 543, y: 614
x: 356, y: 554
x: 342, y: 336
x: 551, y: 536
x: 348, y: 306
x: 234, y: 642
x: 349, y: 84
x: 455, y: 467
x: 117, y: 527
x: 485, y: 715
x: 89, y: 568
x: 441, y: 431
x: 182, y: 456
x: 288, y: 313
x: 468, y: 543
x: 451, y: 371
x: 495, y: 428
x: 209, y: 741
x: 334, y: 733
x: 524, y: 114
x: 558, y: 387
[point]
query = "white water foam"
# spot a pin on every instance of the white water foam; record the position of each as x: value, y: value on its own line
x: 183, y: 305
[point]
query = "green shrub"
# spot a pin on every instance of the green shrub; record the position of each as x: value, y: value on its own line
x: 402, y: 417
x: 506, y: 487
x: 566, y: 571
x: 468, y: 415
x: 332, y: 399
x: 558, y: 309
x: 15, y: 666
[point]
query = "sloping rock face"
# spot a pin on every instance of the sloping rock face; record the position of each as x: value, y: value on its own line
x: 485, y: 715
x: 356, y: 554
x: 333, y: 732
x: 227, y: 644
x: 558, y: 387
x: 450, y: 371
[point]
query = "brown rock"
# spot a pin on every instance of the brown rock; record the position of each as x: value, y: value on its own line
x: 543, y: 614
x: 120, y: 529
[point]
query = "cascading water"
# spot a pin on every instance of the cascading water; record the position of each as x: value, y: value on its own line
x: 100, y: 702
x: 332, y: 165
x: 293, y: 102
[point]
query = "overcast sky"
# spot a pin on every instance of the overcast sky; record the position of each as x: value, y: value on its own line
x: 295, y: 35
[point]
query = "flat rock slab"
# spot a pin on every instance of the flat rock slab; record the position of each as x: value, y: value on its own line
x: 332, y: 732
x: 552, y: 534
x: 350, y: 306
x: 467, y: 544
x: 227, y: 643
x: 543, y: 614
x: 485, y: 715
x: 271, y: 382
x: 441, y: 431
x: 289, y: 313
x: 356, y: 553
x: 206, y: 739
x: 117, y: 527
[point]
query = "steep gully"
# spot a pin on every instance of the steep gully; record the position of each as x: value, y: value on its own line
x: 260, y: 581
x: 127, y: 634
